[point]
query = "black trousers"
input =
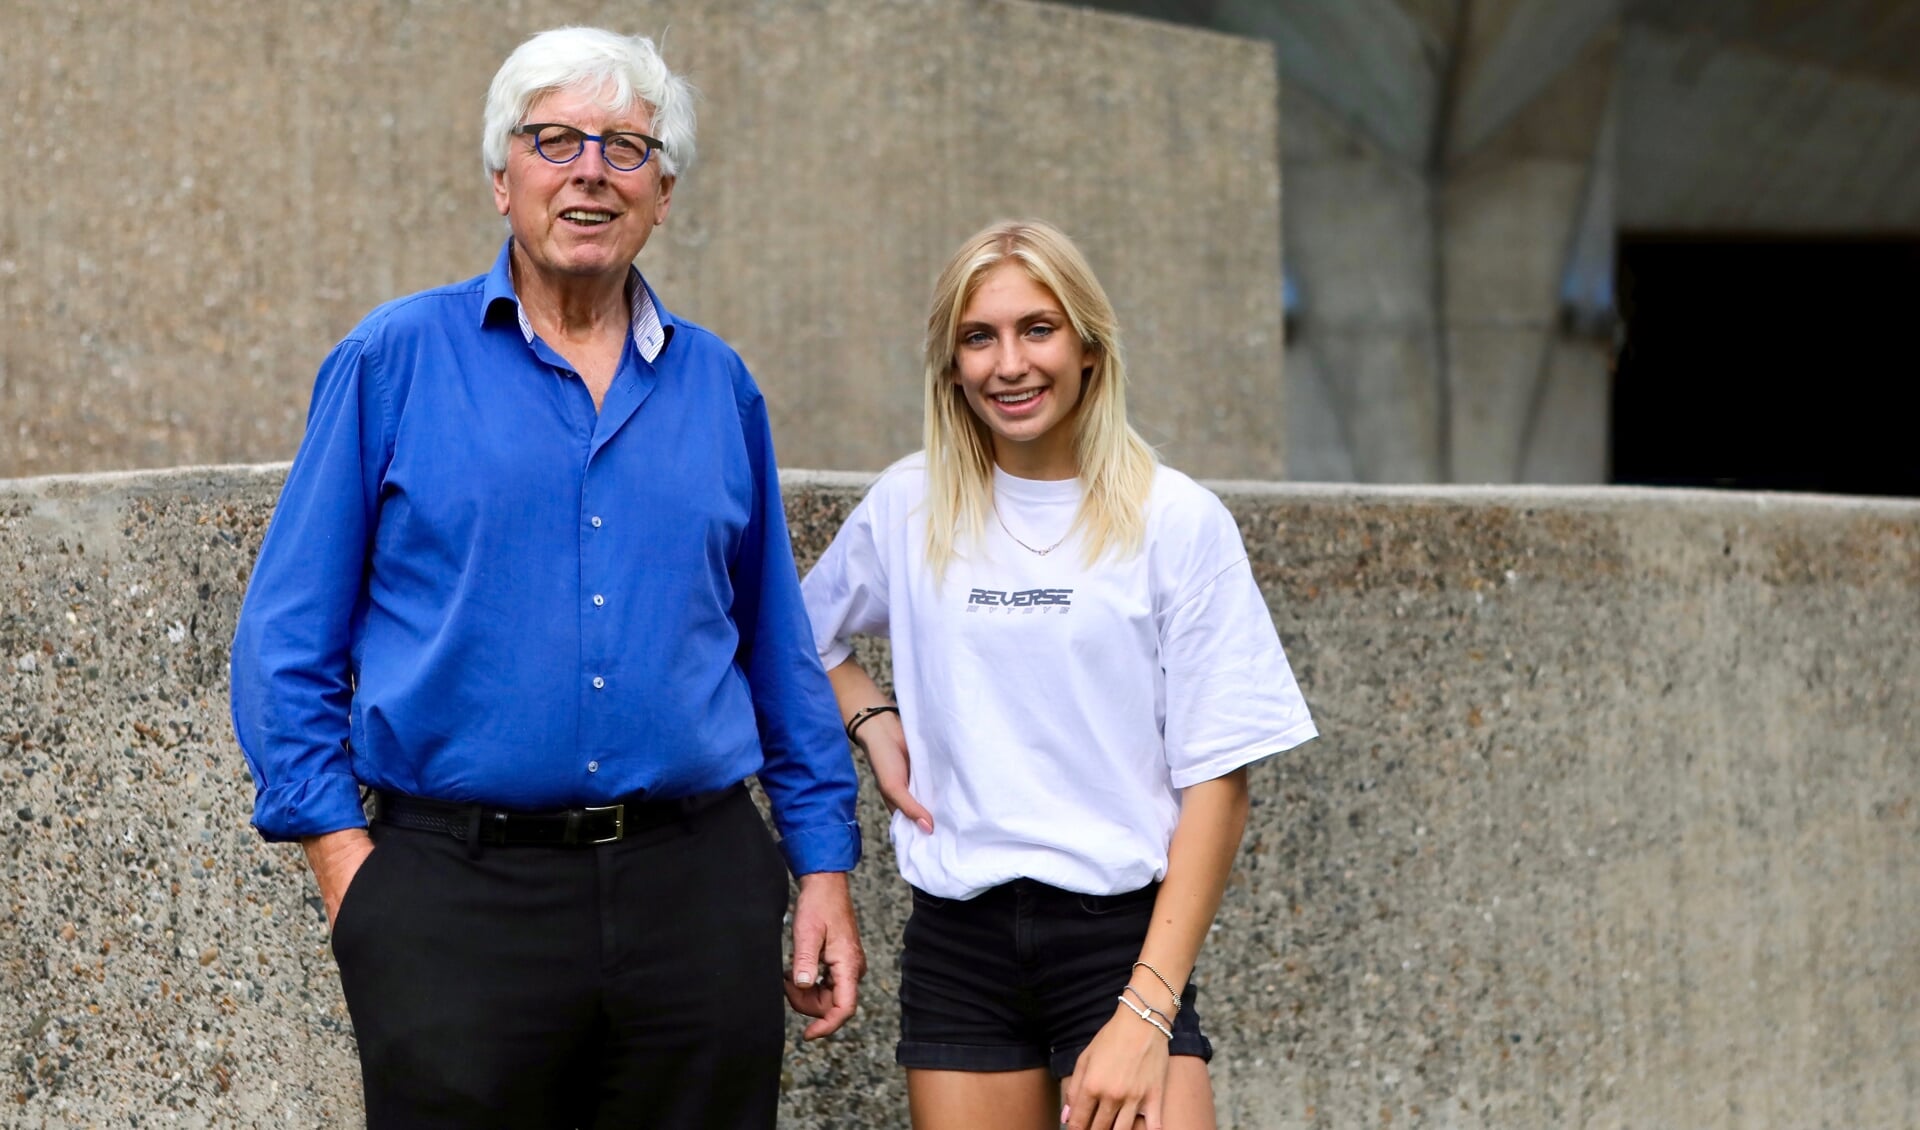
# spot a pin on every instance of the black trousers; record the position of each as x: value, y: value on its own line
x: 633, y: 984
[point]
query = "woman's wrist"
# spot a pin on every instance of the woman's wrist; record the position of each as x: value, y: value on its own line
x: 1129, y: 1011
x: 1144, y: 979
x: 866, y: 714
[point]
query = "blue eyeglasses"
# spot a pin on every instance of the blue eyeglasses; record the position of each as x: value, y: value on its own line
x: 560, y: 145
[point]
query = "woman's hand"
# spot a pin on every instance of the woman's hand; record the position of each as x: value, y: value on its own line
x: 885, y: 743
x: 880, y: 736
x: 1121, y: 1077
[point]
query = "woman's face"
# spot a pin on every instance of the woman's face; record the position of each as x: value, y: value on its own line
x: 1023, y: 369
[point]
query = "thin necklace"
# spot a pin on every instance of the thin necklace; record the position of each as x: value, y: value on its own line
x: 1023, y: 545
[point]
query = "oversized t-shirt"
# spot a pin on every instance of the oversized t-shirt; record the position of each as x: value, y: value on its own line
x: 1054, y: 710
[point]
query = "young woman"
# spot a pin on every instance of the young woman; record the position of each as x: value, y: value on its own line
x: 1085, y: 668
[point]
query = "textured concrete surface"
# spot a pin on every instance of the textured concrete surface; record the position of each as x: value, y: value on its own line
x: 1442, y: 161
x: 1365, y: 372
x: 1513, y: 53
x: 1522, y: 156
x: 1465, y: 135
x: 1378, y: 63
x: 1431, y: 300
x: 1613, y: 823
x: 1878, y: 39
x: 203, y: 197
x: 1719, y: 137
x: 1567, y: 420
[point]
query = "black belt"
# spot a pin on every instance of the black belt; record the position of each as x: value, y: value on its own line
x: 566, y: 827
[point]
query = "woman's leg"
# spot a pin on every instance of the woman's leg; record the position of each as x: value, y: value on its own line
x: 1189, y: 1094
x: 969, y: 1100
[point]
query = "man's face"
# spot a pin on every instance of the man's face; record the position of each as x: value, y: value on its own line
x: 583, y: 219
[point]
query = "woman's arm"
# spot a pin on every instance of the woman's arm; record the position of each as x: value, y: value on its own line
x: 1123, y: 1072
x: 882, y: 737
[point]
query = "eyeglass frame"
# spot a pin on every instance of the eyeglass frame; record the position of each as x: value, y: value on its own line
x: 532, y: 130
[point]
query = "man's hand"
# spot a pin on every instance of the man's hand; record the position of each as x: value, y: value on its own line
x: 827, y: 960
x: 336, y: 858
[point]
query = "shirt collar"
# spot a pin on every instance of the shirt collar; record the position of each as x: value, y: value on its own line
x: 652, y: 324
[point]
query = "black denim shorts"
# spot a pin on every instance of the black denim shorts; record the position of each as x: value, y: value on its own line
x: 1022, y: 976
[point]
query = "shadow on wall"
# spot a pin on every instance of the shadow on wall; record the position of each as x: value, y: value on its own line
x: 1768, y: 364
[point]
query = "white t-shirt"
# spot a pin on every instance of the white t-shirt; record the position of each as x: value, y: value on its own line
x: 1054, y: 711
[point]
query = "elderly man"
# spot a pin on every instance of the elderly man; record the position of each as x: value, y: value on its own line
x: 529, y: 585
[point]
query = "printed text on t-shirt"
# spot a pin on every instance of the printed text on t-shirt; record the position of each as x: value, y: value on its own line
x: 994, y: 600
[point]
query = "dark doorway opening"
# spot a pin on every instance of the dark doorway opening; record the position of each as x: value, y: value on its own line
x: 1769, y: 364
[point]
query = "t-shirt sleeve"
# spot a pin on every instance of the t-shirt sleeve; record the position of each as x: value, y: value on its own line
x: 1231, y: 695
x: 846, y: 590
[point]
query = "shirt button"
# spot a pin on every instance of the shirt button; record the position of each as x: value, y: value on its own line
x: 598, y: 682
x: 593, y: 767
x: 596, y: 521
x: 598, y: 600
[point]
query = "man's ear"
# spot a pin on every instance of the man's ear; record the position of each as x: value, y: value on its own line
x: 501, y: 198
x: 666, y: 200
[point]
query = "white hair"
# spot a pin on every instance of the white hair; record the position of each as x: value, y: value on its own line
x: 564, y: 58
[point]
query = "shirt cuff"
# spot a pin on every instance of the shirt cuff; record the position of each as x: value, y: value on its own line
x: 832, y: 847
x: 313, y: 807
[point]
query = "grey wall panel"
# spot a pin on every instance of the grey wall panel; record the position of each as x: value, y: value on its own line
x: 202, y: 198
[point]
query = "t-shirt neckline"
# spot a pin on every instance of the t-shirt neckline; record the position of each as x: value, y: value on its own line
x: 1017, y: 489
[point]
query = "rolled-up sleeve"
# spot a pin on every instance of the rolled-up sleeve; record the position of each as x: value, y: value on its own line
x: 292, y: 666
x: 808, y: 771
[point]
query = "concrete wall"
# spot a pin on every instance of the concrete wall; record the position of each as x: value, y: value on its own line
x: 1735, y: 138
x: 202, y: 197
x: 1457, y: 171
x: 1613, y: 823
x: 1442, y: 158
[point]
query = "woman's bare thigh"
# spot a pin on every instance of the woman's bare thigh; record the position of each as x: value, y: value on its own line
x: 968, y: 1100
x: 1189, y: 1094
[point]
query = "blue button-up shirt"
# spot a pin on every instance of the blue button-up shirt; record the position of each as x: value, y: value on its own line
x: 477, y: 588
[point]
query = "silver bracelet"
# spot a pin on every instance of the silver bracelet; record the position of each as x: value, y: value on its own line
x: 1143, y: 1003
x: 1171, y: 991
x: 1146, y: 1014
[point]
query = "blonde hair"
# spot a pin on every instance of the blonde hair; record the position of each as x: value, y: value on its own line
x: 1114, y: 465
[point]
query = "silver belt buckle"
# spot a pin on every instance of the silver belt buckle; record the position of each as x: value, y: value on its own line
x: 619, y: 821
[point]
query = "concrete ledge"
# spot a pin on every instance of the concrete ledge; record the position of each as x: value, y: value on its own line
x: 1613, y: 822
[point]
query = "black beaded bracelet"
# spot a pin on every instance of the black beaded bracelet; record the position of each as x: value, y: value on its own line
x: 860, y: 716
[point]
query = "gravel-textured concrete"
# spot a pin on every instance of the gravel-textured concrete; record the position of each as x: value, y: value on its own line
x: 1614, y: 821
